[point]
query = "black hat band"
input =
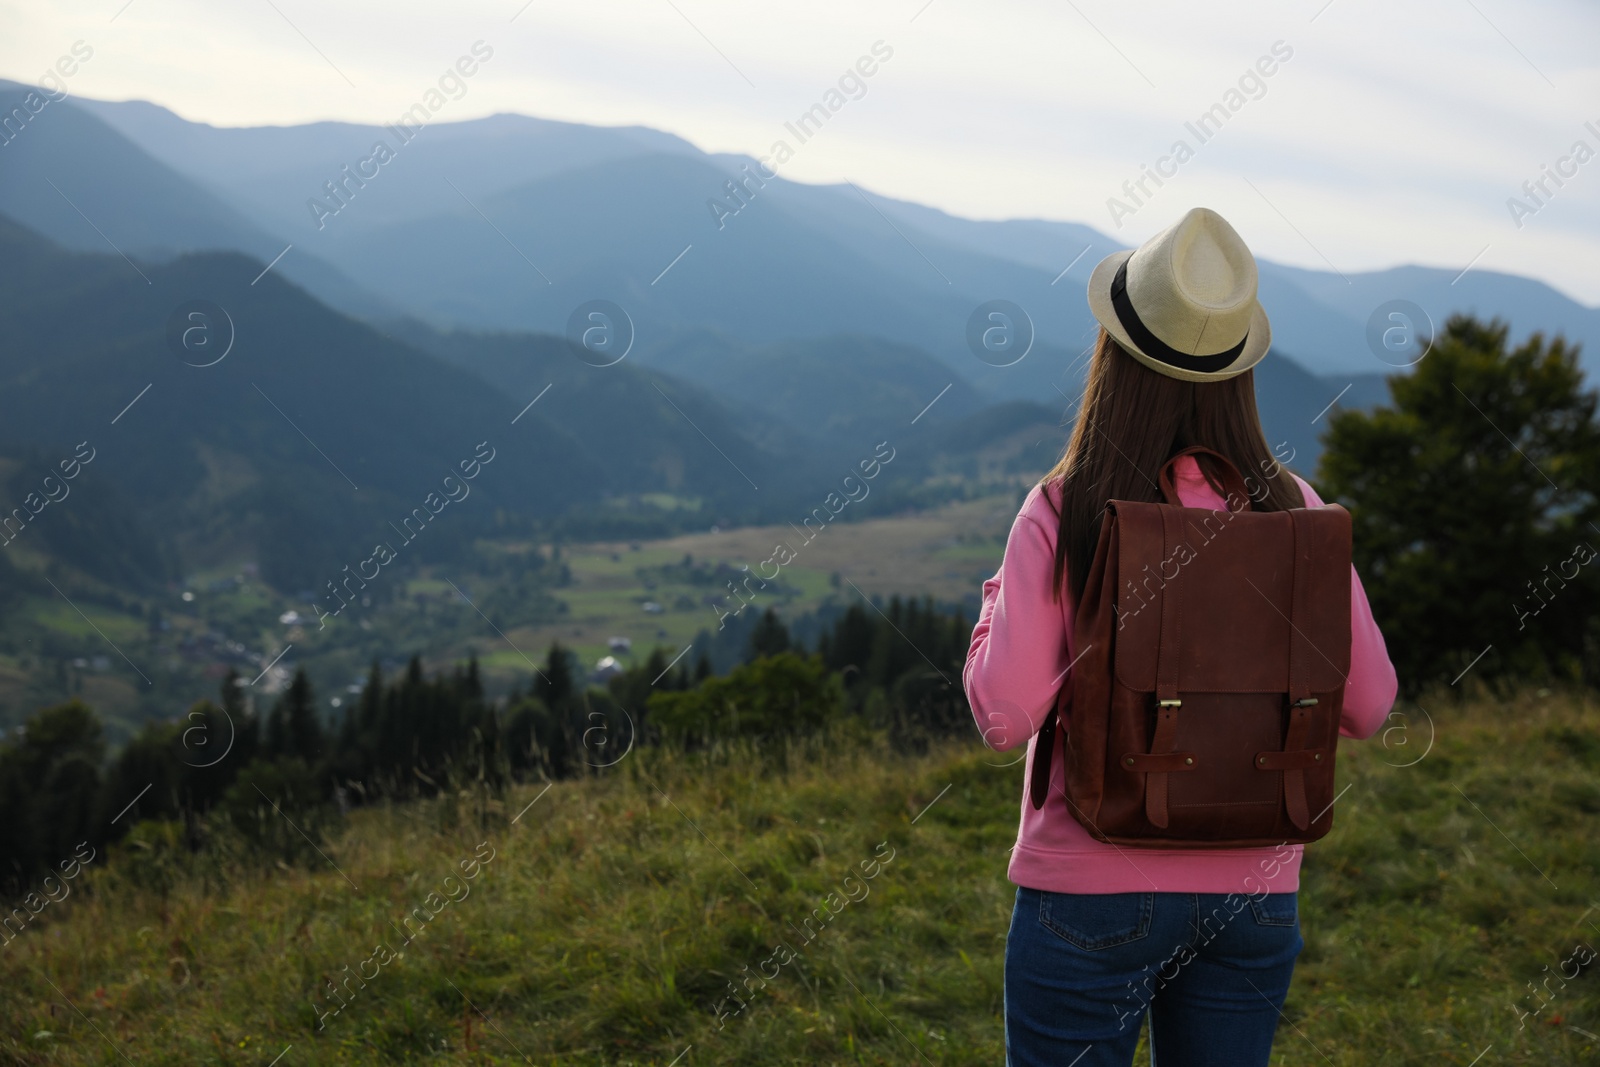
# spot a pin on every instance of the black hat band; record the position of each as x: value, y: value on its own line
x: 1155, y: 347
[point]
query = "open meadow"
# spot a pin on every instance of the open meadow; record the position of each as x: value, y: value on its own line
x: 945, y: 552
x: 1451, y: 917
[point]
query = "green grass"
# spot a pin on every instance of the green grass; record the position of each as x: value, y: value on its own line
x: 81, y: 622
x: 670, y: 501
x: 616, y: 910
x: 977, y: 561
x: 947, y: 551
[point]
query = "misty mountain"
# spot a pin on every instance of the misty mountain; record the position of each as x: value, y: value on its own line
x: 1528, y: 305
x: 571, y: 213
x: 273, y: 170
x: 819, y: 406
x: 612, y: 231
x: 833, y: 386
x: 826, y: 398
x: 89, y: 188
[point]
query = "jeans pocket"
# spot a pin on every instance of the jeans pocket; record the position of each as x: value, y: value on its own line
x: 1094, y: 921
x: 1276, y: 909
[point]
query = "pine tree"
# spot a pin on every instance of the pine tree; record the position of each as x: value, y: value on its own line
x: 553, y: 686
x: 769, y: 637
x: 241, y: 713
x: 371, y: 703
x: 656, y: 664
x: 852, y: 639
x: 302, y: 733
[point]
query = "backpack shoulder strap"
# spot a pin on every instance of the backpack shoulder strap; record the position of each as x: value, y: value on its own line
x: 1300, y: 701
x: 1044, y: 747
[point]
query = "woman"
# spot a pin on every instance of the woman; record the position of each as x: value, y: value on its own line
x: 1202, y: 940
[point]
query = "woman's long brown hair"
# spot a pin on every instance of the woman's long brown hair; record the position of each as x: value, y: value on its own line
x: 1131, y: 421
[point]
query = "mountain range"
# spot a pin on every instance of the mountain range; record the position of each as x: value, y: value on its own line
x: 510, y: 222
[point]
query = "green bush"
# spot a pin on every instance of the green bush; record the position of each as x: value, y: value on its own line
x: 772, y: 698
x: 1474, y: 509
x: 275, y: 809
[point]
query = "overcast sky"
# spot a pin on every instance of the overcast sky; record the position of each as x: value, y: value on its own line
x: 1394, y: 133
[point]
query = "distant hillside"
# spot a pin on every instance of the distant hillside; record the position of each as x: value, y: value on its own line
x: 316, y: 430
x: 820, y: 399
x: 87, y: 187
x: 845, y: 382
x: 828, y: 386
x: 794, y: 417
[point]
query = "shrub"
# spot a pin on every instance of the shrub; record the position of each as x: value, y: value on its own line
x: 772, y: 698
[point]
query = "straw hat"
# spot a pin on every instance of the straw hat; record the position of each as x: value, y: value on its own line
x: 1184, y: 302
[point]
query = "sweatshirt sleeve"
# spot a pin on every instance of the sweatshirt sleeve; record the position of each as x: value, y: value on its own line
x: 1018, y: 657
x: 1370, y: 689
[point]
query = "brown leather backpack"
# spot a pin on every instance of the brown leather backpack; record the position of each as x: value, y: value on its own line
x: 1213, y: 648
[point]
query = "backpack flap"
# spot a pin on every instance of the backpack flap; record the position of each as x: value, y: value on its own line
x: 1226, y: 581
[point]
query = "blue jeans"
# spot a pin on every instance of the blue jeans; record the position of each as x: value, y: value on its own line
x: 1211, y: 969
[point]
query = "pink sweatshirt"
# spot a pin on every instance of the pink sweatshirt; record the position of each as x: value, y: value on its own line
x: 1021, y: 649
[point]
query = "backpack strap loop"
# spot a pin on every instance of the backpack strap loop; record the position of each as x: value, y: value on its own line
x: 1232, y: 482
x: 1163, y: 752
x: 1294, y: 774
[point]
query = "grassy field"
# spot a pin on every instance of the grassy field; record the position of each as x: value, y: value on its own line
x: 607, y: 917
x: 946, y: 552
